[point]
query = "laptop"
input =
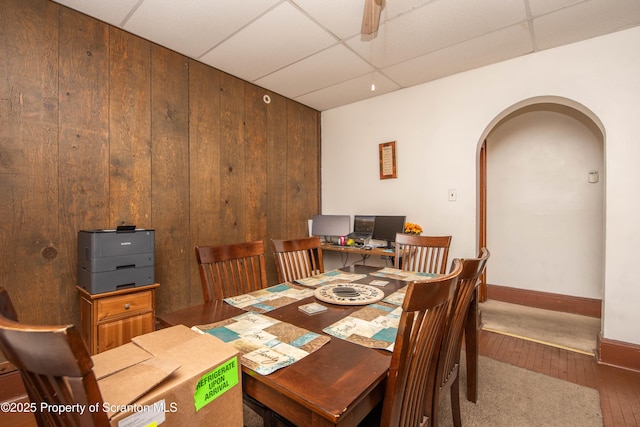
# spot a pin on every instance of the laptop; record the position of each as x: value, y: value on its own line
x: 362, y: 227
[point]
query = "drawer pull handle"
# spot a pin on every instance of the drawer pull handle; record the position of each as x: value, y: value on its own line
x: 127, y: 306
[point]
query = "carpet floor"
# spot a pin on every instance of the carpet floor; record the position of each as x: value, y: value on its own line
x: 509, y: 396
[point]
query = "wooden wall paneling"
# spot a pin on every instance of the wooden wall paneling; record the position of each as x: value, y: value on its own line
x: 204, y: 164
x: 129, y: 130
x: 92, y: 136
x: 170, y: 176
x: 84, y: 143
x: 303, y: 172
x: 29, y: 239
x: 255, y: 136
x: 276, y: 177
x: 314, y: 138
x: 232, y: 160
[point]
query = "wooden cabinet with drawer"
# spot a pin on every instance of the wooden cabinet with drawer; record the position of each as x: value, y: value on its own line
x: 110, y: 319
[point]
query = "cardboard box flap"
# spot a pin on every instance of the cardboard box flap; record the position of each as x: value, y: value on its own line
x: 126, y: 386
x: 117, y: 359
x: 164, y: 339
x: 195, y: 354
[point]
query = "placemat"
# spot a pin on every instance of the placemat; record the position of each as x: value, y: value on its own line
x: 374, y: 326
x: 265, y: 344
x: 265, y: 300
x: 397, y: 274
x: 397, y: 297
x: 328, y: 277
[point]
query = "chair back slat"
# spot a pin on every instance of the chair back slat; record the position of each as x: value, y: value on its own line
x: 298, y: 258
x: 425, y: 254
x: 412, y: 369
x: 230, y: 270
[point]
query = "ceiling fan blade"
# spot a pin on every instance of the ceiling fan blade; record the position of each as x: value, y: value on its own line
x: 371, y: 18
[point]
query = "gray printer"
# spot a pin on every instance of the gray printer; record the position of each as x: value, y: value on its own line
x: 109, y: 260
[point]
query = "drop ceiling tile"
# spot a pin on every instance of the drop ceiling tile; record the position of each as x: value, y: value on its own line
x: 585, y: 20
x: 347, y: 92
x: 342, y: 18
x: 394, y: 8
x: 541, y: 7
x: 437, y: 25
x: 498, y: 46
x: 331, y: 66
x: 273, y: 41
x: 112, y: 12
x: 192, y: 27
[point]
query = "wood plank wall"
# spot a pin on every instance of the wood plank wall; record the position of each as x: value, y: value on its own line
x: 100, y: 128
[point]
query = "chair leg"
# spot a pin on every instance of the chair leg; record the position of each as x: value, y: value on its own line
x: 471, y: 332
x: 455, y: 402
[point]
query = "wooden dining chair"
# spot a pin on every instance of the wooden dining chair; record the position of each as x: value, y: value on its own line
x: 298, y: 258
x: 230, y: 270
x: 424, y: 254
x: 56, y: 369
x: 448, y: 368
x: 412, y: 370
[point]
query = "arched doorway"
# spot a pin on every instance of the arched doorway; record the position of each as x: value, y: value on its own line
x: 540, y: 215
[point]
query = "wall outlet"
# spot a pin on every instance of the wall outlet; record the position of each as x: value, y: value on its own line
x: 453, y: 194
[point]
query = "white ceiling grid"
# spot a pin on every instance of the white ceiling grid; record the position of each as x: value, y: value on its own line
x: 311, y: 51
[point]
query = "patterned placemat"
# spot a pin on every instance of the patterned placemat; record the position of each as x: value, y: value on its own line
x: 328, y: 277
x: 265, y: 300
x: 397, y: 274
x: 348, y: 294
x: 265, y: 344
x: 374, y: 326
x: 397, y: 297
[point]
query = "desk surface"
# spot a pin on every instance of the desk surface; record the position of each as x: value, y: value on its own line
x: 358, y: 250
x: 338, y: 384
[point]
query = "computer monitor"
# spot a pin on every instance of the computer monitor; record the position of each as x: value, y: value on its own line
x: 363, y: 223
x: 328, y: 226
x: 386, y: 227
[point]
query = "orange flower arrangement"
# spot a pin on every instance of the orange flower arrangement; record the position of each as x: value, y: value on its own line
x: 412, y: 228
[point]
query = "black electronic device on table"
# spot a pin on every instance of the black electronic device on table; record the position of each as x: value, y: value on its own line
x: 387, y: 226
x: 362, y: 228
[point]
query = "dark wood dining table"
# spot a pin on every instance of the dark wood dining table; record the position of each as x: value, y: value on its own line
x: 338, y: 384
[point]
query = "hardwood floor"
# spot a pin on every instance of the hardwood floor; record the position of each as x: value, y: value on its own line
x: 619, y: 389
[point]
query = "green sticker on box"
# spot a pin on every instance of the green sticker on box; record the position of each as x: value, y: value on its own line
x: 216, y: 383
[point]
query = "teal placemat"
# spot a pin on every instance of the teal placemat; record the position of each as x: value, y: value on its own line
x: 264, y: 300
x: 374, y: 326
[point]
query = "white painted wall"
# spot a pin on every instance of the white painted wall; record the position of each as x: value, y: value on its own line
x: 438, y: 127
x: 545, y: 222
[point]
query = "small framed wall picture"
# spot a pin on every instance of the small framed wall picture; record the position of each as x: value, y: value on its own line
x: 388, y: 164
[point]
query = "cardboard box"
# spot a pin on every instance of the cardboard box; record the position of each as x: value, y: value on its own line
x: 172, y: 376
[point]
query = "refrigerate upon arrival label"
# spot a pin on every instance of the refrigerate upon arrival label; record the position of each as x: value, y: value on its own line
x: 216, y: 383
